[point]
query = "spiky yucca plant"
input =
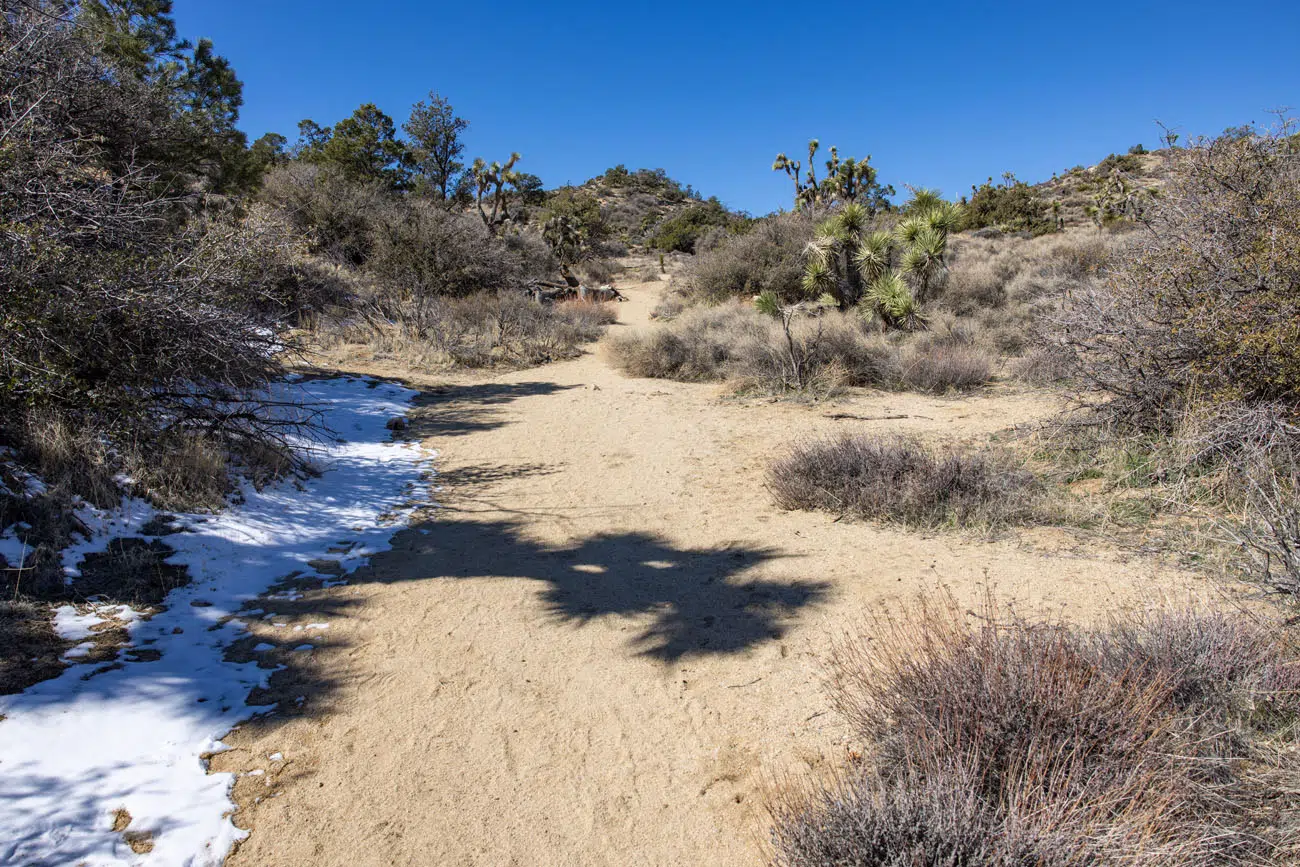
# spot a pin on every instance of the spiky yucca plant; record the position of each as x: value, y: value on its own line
x: 924, y: 235
x: 831, y: 266
x: 892, y: 300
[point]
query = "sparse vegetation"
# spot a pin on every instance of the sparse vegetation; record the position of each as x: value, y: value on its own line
x: 905, y: 482
x: 1012, y: 206
x: 1190, y: 342
x: 1148, y: 742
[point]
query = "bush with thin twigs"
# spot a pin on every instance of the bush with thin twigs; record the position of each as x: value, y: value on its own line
x: 905, y: 482
x: 768, y: 258
x: 1190, y: 341
x: 504, y: 329
x: 1041, y: 366
x: 944, y: 367
x: 699, y: 346
x: 1205, y: 302
x: 1020, y: 742
x: 733, y: 342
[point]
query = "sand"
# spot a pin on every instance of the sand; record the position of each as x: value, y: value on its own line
x: 606, y: 642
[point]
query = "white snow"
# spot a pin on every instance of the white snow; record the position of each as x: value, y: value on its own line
x: 13, y: 549
x: 73, y: 751
x: 72, y: 625
x: 79, y: 651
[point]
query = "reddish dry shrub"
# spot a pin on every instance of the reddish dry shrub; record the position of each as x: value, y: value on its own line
x: 900, y: 480
x: 1019, y: 742
x: 946, y: 367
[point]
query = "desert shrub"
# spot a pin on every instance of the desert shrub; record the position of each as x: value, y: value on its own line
x: 734, y: 342
x: 418, y: 248
x: 939, y: 366
x: 335, y: 213
x: 1128, y: 163
x: 1041, y: 366
x: 629, y: 216
x: 1019, y: 742
x: 898, y: 480
x: 698, y: 346
x: 680, y: 231
x: 864, y: 819
x: 1204, y: 304
x: 768, y: 258
x: 581, y: 207
x: 597, y: 272
x: 489, y: 329
x: 1014, y: 206
x: 976, y: 285
x: 812, y: 355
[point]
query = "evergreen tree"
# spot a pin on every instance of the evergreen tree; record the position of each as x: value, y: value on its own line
x: 434, y: 131
x: 362, y: 147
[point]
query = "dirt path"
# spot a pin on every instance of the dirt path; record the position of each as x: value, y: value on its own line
x: 607, y: 638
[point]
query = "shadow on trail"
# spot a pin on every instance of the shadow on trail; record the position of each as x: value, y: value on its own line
x: 697, y: 601
x: 459, y: 410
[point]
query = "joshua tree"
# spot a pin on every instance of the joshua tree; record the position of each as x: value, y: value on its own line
x: 567, y: 242
x: 853, y: 181
x: 831, y: 256
x: 924, y: 239
x: 856, y: 266
x: 491, y: 180
x: 806, y: 188
x: 848, y: 181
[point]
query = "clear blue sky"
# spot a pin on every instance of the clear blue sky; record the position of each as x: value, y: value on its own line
x: 941, y: 94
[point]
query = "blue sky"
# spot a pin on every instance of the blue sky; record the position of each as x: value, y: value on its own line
x: 942, y: 94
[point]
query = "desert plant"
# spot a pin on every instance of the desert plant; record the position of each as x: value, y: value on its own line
x: 681, y: 231
x: 492, y: 180
x: 848, y: 181
x: 903, y: 481
x: 487, y: 329
x: 768, y: 258
x: 1010, y: 206
x: 1204, y: 304
x: 1023, y: 742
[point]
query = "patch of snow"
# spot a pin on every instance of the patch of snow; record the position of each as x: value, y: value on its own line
x: 13, y: 549
x: 276, y: 757
x: 72, y: 625
x: 73, y: 751
x: 79, y: 651
x: 263, y: 647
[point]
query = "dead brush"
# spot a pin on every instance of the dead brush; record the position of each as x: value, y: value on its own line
x: 903, y: 481
x: 487, y: 329
x: 997, y: 740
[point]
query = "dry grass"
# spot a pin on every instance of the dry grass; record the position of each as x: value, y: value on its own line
x: 908, y: 483
x: 942, y: 367
x: 29, y: 647
x: 130, y: 571
x: 1157, y: 741
x: 505, y: 329
x: 999, y: 292
x: 733, y: 342
x: 699, y: 346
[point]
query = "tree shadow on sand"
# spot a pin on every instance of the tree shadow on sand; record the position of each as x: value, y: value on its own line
x: 698, y: 601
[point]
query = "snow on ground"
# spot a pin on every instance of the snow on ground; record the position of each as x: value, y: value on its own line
x: 73, y: 751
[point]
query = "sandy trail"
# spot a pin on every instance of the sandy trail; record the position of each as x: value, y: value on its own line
x: 606, y: 640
